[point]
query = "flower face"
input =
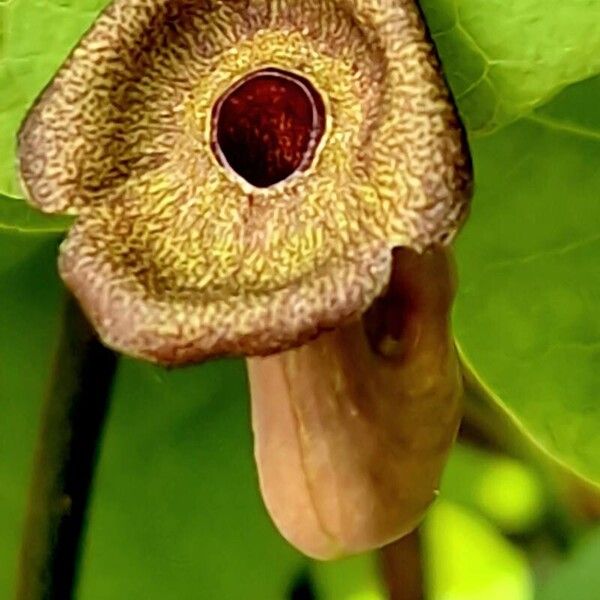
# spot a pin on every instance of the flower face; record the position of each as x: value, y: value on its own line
x: 241, y: 170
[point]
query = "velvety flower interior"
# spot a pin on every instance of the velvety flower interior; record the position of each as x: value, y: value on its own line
x: 267, y: 126
x: 241, y: 170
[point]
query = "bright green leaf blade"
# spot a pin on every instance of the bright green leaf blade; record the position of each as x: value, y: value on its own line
x: 177, y: 511
x: 16, y: 216
x: 501, y: 488
x: 527, y: 316
x: 35, y: 38
x: 467, y: 559
x: 575, y: 110
x: 579, y: 576
x: 504, y: 57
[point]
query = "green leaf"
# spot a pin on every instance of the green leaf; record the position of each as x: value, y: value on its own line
x: 575, y: 110
x: 500, y: 488
x: 504, y: 57
x: 177, y: 511
x: 16, y: 248
x: 578, y: 577
x: 467, y: 559
x: 527, y: 316
x: 16, y: 216
x: 35, y: 38
x: 354, y: 578
x: 30, y: 296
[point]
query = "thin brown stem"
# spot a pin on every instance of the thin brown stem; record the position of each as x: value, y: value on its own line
x: 401, y: 568
x: 72, y: 422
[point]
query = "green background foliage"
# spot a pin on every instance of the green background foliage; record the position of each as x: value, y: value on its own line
x: 527, y: 318
x: 177, y: 511
x: 176, y: 486
x: 505, y: 57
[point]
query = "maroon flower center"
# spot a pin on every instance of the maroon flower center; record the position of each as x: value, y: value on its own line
x: 267, y: 126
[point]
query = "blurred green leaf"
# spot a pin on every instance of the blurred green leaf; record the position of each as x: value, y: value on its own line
x: 354, y: 578
x: 504, y: 57
x: 16, y: 216
x: 177, y: 511
x: 467, y: 559
x: 502, y: 489
x: 527, y: 316
x: 30, y: 296
x: 579, y: 576
x: 15, y: 248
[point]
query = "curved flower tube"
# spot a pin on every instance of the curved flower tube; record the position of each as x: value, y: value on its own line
x: 352, y: 430
x: 241, y: 172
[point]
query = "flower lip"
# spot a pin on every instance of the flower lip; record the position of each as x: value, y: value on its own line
x: 266, y: 127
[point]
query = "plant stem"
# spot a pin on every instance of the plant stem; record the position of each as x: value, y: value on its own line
x: 401, y: 568
x: 72, y: 422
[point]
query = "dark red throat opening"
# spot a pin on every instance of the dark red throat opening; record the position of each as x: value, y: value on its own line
x: 267, y: 126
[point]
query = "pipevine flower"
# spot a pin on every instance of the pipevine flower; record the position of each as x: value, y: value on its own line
x: 242, y: 172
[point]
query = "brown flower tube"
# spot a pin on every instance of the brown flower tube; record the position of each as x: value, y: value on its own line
x: 353, y: 429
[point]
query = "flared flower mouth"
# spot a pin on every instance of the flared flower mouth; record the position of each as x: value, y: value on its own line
x: 241, y: 171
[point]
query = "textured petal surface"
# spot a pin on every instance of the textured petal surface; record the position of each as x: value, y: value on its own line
x: 138, y: 305
x: 122, y: 138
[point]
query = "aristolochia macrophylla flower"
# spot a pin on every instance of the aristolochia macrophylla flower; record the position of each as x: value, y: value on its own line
x: 241, y: 172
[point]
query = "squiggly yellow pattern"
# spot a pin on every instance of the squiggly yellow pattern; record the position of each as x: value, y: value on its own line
x: 169, y: 258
